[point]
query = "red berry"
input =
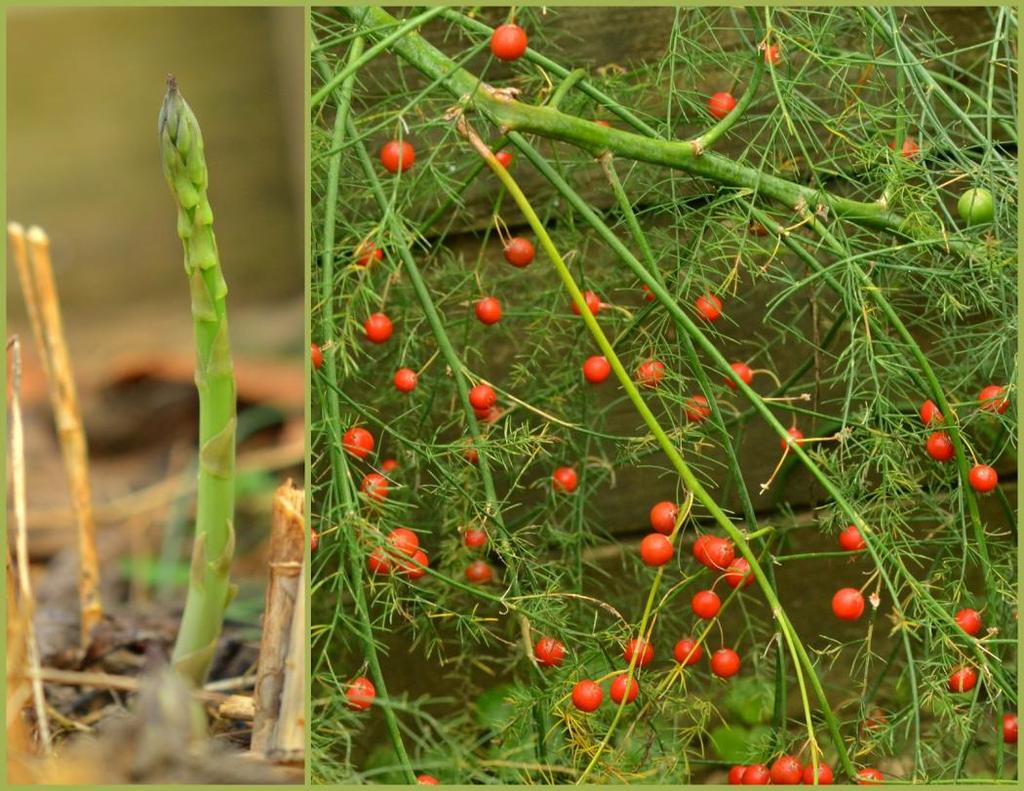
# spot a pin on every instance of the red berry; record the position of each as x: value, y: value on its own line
x: 410, y: 567
x: 378, y: 561
x: 519, y: 251
x: 739, y: 571
x: 508, y: 42
x: 593, y: 303
x: 940, y: 446
x: 471, y: 455
x: 603, y: 123
x: 963, y: 679
x: 868, y: 776
x: 687, y: 651
x: 1010, y: 728
x: 993, y: 399
x: 549, y: 652
x: 929, y: 413
x: 983, y: 478
x: 743, y: 372
x: 663, y: 516
x: 736, y: 775
x: 650, y: 373
x: 360, y: 693
x: 969, y: 620
x: 648, y: 294
x: 316, y: 355
x: 587, y: 695
x: 909, y: 148
x: 403, y: 540
x: 713, y: 552
x: 655, y: 550
x: 482, y: 397
x: 488, y: 310
x: 756, y: 775
x: 478, y: 572
x: 378, y: 328
x: 645, y: 650
x: 786, y: 771
x: 848, y: 604
x: 564, y: 479
x: 851, y: 540
x: 474, y: 537
x: 389, y: 465
x: 489, y: 415
x: 624, y: 687
x: 314, y: 540
x: 825, y: 776
x: 721, y: 104
x: 505, y: 158
x: 795, y: 435
x: 697, y: 409
x: 405, y: 380
x: 596, y: 369
x: 397, y: 156
x: 426, y: 780
x: 706, y: 604
x: 709, y: 307
x: 772, y: 55
x: 375, y: 486
x: 874, y: 722
x: 725, y: 663
x: 357, y: 442
x: 367, y: 253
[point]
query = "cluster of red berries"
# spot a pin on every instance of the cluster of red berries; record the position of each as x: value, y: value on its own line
x: 786, y: 770
x: 478, y: 572
x: 401, y: 554
x: 587, y: 694
x: 508, y: 43
x: 981, y: 477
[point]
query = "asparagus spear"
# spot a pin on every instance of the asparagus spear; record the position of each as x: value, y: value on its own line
x: 210, y: 589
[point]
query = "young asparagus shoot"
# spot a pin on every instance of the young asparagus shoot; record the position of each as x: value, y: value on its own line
x: 210, y: 589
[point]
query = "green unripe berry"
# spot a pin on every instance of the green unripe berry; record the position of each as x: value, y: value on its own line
x: 976, y: 207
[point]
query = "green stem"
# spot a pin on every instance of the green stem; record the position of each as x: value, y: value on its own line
x: 210, y: 589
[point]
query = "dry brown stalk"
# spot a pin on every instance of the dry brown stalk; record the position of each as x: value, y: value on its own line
x: 25, y: 604
x: 285, y: 593
x: 237, y: 707
x: 97, y: 680
x: 289, y: 740
x: 36, y: 275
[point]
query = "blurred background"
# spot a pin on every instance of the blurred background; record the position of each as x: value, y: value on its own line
x: 85, y: 87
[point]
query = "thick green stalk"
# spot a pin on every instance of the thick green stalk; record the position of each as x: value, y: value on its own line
x: 357, y: 63
x: 548, y: 122
x: 210, y: 589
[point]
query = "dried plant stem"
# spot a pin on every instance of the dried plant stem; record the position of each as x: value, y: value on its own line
x: 289, y: 740
x: 284, y: 590
x: 36, y: 274
x: 26, y: 601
